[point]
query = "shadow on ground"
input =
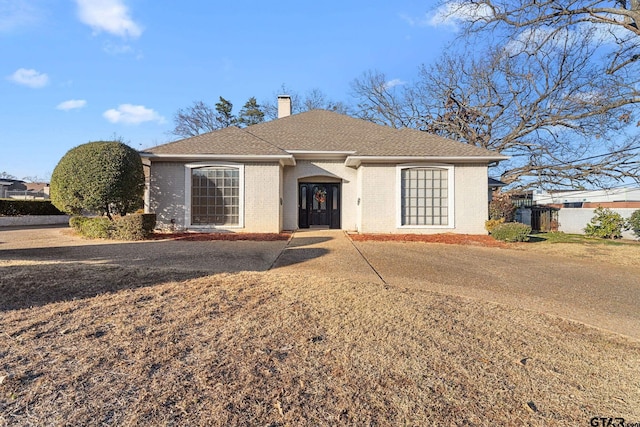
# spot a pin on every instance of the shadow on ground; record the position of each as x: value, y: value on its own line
x: 300, y: 250
x: 25, y: 286
x: 43, y: 275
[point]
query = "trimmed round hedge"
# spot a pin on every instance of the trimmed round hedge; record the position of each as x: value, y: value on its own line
x: 104, y: 177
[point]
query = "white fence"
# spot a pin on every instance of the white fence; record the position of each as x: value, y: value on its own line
x: 26, y: 195
x: 574, y: 220
x: 27, y: 220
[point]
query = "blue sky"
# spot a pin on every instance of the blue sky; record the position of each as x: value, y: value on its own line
x: 74, y: 71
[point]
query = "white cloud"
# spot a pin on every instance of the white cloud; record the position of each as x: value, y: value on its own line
x: 121, y: 49
x: 132, y: 114
x: 111, y: 16
x: 117, y: 49
x: 409, y: 19
x: 530, y: 40
x: 393, y: 83
x: 17, y: 13
x: 610, y: 33
x: 29, y: 77
x: 452, y: 13
x: 71, y: 104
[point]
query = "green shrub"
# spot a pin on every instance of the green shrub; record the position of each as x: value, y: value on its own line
x: 76, y: 222
x: 103, y: 177
x: 606, y: 224
x: 490, y: 224
x: 134, y: 227
x: 633, y: 223
x: 17, y: 207
x: 511, y: 232
x: 96, y: 228
x: 130, y: 227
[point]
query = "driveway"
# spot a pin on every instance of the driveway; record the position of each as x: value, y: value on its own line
x: 604, y: 296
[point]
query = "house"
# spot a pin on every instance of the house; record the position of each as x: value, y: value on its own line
x: 18, y: 189
x: 494, y: 186
x: 4, y: 185
x: 319, y: 169
x: 619, y: 197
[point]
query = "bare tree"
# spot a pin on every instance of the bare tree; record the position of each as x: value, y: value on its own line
x: 382, y: 102
x: 194, y: 120
x: 548, y: 97
x: 6, y: 175
x: 33, y: 179
x: 615, y: 21
x: 201, y: 118
x: 312, y: 100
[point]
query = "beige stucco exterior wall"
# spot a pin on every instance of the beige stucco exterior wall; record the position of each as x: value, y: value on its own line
x: 262, y: 198
x: 320, y: 171
x: 472, y: 206
x: 166, y: 194
x: 261, y: 207
x: 281, y: 200
x: 270, y: 201
x: 379, y: 201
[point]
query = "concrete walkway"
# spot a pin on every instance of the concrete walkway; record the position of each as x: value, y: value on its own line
x: 327, y: 253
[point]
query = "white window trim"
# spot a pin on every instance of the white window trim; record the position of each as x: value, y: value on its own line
x: 188, y: 168
x: 450, y: 195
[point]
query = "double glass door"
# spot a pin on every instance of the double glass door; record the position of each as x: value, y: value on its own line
x: 319, y: 205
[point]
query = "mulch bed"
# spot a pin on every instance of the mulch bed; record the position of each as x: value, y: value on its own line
x: 204, y: 237
x: 447, y: 238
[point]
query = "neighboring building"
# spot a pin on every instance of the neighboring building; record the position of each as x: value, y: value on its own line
x: 4, y: 185
x: 624, y: 197
x: 494, y: 186
x: 570, y: 211
x: 319, y: 169
x: 18, y: 189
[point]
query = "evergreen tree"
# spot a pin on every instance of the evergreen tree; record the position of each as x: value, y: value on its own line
x: 251, y: 113
x: 225, y: 117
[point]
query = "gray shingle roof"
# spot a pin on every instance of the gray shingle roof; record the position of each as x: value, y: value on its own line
x: 227, y: 141
x: 320, y: 130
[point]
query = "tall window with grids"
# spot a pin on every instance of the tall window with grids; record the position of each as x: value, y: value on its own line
x: 425, y: 196
x: 215, y: 196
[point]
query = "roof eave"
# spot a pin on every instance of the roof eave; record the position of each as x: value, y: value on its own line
x: 320, y: 154
x: 356, y: 161
x: 283, y: 159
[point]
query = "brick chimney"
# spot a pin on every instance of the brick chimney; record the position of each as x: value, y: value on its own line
x: 284, y: 106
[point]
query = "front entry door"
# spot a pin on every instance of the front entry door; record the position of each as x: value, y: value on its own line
x: 319, y: 205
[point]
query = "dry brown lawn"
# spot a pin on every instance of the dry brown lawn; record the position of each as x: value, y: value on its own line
x: 625, y: 253
x: 274, y: 350
x: 621, y: 255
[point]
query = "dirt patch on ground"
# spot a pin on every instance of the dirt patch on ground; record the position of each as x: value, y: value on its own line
x: 271, y: 349
x: 447, y: 238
